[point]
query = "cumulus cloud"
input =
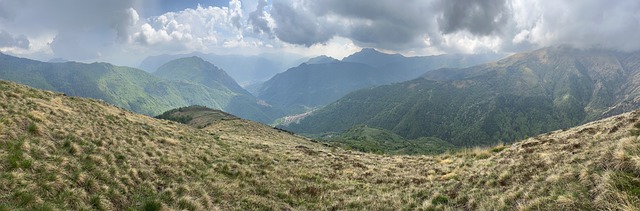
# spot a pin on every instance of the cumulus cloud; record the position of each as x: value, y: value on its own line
x: 10, y: 40
x: 260, y: 19
x: 193, y: 29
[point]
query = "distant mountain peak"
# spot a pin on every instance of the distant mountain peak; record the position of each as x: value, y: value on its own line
x: 58, y: 60
x: 323, y: 59
x: 373, y: 57
x: 370, y: 51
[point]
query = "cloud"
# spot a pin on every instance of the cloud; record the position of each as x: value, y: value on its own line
x: 192, y: 29
x: 97, y: 29
x: 478, y: 17
x: 8, y: 40
x: 76, y: 29
x: 295, y: 26
x: 387, y: 24
x: 460, y: 25
x: 585, y: 24
x: 260, y: 19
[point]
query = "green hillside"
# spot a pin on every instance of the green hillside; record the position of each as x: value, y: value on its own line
x: 520, y: 96
x: 196, y: 116
x: 128, y: 88
x: 373, y: 140
x: 195, y: 69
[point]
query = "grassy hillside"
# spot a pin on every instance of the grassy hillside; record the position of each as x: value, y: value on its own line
x: 129, y: 88
x: 380, y: 141
x: 520, y: 96
x: 68, y: 153
x: 196, y: 116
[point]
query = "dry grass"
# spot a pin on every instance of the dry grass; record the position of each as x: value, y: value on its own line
x: 62, y: 153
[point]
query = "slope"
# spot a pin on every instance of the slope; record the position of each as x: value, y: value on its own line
x: 520, y: 96
x: 367, y: 139
x: 70, y: 153
x: 129, y: 88
x: 196, y: 116
x: 195, y: 69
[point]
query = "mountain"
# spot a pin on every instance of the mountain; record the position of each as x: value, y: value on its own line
x: 310, y: 85
x: 70, y: 153
x: 130, y: 88
x: 519, y: 96
x: 321, y: 60
x: 195, y: 69
x: 244, y: 69
x: 58, y: 60
x: 374, y: 58
x: 315, y: 84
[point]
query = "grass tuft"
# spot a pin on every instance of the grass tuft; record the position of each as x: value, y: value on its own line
x: 440, y: 199
x: 151, y: 205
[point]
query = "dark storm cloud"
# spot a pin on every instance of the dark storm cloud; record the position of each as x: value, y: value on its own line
x: 9, y: 40
x: 392, y: 24
x: 298, y: 27
x: 258, y: 20
x: 478, y: 17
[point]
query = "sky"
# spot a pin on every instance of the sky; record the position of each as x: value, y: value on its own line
x: 124, y: 32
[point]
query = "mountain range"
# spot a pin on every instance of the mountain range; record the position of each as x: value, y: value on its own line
x: 323, y: 80
x: 520, y: 96
x: 69, y: 153
x: 139, y: 91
